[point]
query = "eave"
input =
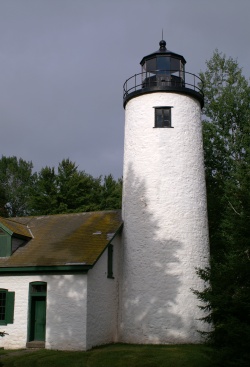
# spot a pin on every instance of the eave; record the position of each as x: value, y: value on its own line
x: 45, y: 269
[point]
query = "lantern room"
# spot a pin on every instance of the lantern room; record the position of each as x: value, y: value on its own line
x: 163, y: 67
x: 163, y: 71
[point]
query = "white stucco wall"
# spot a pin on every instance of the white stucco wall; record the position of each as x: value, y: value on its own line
x: 66, y: 316
x: 165, y: 222
x: 65, y: 313
x: 102, y: 303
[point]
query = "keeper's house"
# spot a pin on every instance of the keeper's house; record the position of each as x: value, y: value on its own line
x: 59, y: 280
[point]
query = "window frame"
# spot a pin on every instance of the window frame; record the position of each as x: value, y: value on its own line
x: 9, y: 307
x: 34, y: 294
x: 10, y: 242
x: 5, y: 243
x: 39, y: 291
x: 163, y: 108
x: 110, y: 273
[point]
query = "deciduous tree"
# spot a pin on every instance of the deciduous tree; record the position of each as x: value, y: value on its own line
x: 226, y: 128
x: 16, y: 181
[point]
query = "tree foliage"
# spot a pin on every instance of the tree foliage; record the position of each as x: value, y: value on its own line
x: 226, y: 129
x: 67, y: 191
x: 111, y: 193
x: 64, y: 190
x: 3, y: 201
x: 44, y: 192
x: 16, y: 180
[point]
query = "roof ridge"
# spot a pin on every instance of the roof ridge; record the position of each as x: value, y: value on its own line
x: 74, y: 213
x: 15, y: 221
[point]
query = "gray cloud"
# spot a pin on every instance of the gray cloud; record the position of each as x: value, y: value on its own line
x: 63, y: 64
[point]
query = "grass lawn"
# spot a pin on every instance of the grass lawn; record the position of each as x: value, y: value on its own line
x: 115, y: 355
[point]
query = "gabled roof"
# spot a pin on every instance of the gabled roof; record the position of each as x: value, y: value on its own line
x: 14, y: 227
x: 62, y: 240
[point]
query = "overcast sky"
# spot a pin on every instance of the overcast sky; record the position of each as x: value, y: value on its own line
x: 63, y: 64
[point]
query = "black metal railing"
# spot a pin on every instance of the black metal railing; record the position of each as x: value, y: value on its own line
x: 162, y: 79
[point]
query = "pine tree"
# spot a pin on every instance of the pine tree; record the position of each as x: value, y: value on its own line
x: 77, y: 190
x: 70, y: 190
x: 3, y: 211
x: 111, y: 196
x: 44, y: 198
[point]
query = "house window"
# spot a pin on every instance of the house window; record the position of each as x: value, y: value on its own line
x: 6, y: 307
x: 110, y: 261
x: 5, y: 244
x: 39, y: 287
x: 162, y: 117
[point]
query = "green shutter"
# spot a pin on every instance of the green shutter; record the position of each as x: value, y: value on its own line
x: 5, y: 245
x: 10, y: 300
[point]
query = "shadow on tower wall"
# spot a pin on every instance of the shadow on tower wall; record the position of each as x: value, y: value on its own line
x: 155, y: 298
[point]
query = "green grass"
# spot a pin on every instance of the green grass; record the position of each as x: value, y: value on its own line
x: 117, y: 355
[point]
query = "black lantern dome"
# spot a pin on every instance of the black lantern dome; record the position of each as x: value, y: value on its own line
x: 163, y: 70
x: 163, y: 60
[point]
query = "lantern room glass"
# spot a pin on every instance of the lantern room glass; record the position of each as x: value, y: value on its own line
x: 166, y: 64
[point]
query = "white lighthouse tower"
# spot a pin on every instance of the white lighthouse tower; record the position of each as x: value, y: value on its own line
x: 164, y: 203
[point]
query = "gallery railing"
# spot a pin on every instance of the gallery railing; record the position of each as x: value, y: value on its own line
x: 162, y: 79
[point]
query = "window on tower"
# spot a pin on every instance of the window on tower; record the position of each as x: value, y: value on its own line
x: 110, y: 261
x: 162, y: 117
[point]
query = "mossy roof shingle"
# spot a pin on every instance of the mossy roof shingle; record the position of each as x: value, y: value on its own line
x: 15, y: 227
x: 62, y: 239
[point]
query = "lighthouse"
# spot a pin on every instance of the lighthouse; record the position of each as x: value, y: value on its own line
x: 165, y: 234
